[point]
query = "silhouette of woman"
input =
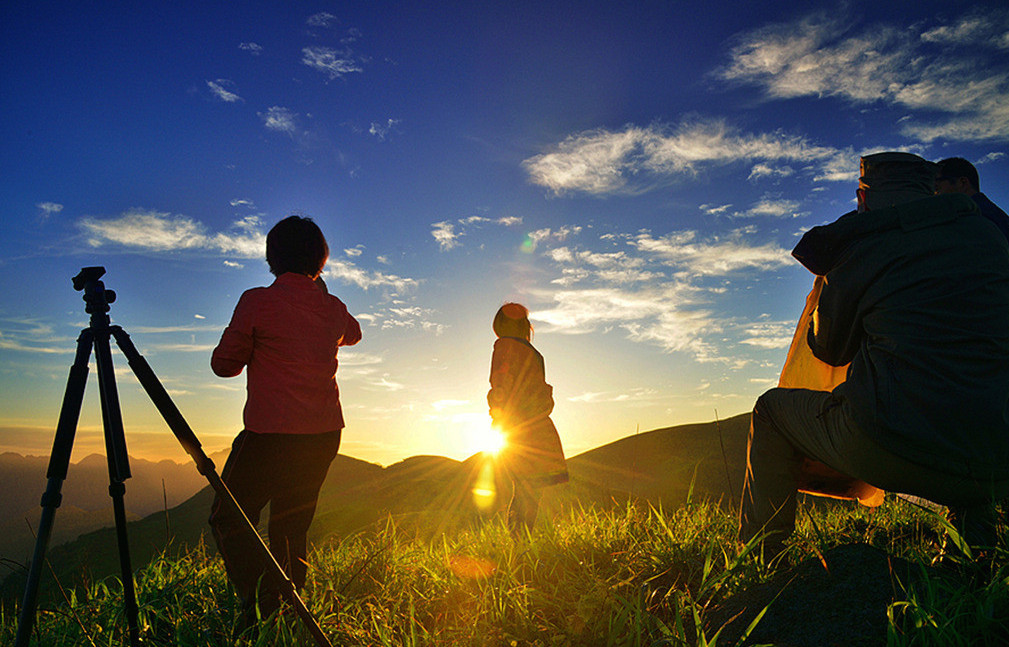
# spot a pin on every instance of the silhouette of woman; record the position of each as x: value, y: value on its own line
x: 520, y: 404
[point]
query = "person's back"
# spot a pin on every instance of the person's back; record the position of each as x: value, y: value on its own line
x: 929, y: 336
x: 915, y: 296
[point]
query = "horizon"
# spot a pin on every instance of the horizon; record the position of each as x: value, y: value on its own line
x: 635, y: 175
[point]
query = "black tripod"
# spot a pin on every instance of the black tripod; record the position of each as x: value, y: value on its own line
x: 97, y: 300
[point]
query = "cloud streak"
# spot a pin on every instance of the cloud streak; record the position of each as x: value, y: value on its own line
x: 658, y: 290
x: 156, y: 231
x: 448, y: 233
x: 334, y: 63
x: 957, y: 68
x: 638, y: 159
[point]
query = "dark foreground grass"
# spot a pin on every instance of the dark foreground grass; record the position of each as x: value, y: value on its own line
x: 630, y: 575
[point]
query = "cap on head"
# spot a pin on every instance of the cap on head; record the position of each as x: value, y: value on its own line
x: 895, y: 178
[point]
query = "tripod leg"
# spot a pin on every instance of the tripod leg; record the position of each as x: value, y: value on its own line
x: 119, y: 471
x: 59, y: 462
x: 159, y: 396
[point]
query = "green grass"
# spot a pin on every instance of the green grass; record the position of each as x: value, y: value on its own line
x: 630, y: 575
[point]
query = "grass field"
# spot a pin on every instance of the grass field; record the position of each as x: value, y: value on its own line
x: 628, y: 575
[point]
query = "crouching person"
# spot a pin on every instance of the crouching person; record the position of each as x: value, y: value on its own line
x: 916, y: 299
x: 287, y: 336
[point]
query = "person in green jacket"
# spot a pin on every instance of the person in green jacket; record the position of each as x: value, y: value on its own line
x: 916, y: 300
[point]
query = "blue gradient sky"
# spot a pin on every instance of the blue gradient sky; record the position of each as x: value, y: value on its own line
x: 636, y: 173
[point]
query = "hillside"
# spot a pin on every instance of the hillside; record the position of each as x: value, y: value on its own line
x: 432, y: 493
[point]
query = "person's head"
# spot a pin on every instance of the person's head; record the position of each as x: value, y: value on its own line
x: 889, y: 179
x: 296, y: 244
x: 512, y: 320
x: 956, y: 175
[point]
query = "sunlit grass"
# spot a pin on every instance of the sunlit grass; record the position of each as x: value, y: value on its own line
x: 631, y: 575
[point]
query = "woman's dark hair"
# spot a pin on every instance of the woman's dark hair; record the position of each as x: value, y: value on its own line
x: 512, y: 320
x: 296, y: 244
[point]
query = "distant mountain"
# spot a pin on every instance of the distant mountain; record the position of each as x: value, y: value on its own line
x: 86, y: 503
x: 432, y: 493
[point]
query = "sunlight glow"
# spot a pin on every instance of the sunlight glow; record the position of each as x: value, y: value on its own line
x: 486, y: 438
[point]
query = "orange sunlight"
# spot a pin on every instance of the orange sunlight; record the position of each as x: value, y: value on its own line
x: 486, y: 438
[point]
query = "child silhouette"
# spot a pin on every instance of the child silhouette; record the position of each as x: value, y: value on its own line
x: 520, y: 404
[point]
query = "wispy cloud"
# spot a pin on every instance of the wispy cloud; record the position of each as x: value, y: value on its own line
x: 638, y: 159
x: 48, y: 209
x: 366, y: 279
x: 280, y: 119
x: 321, y: 19
x: 444, y: 232
x: 658, y: 290
x: 332, y: 62
x: 381, y: 131
x: 156, y: 231
x: 220, y: 90
x: 448, y: 233
x: 253, y: 48
x: 771, y: 207
x: 956, y: 68
x: 32, y: 336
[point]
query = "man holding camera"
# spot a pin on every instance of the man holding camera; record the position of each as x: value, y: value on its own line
x: 916, y: 301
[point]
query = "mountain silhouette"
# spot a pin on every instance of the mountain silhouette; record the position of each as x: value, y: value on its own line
x: 86, y: 503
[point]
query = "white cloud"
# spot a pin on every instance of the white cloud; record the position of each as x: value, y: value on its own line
x: 769, y: 335
x: 49, y: 208
x: 354, y: 251
x: 365, y: 279
x: 659, y: 290
x: 977, y: 28
x: 448, y: 233
x: 991, y: 157
x: 279, y: 119
x: 716, y: 257
x: 221, y: 92
x: 954, y: 69
x: 321, y: 19
x: 332, y: 62
x: 444, y: 232
x: 238, y: 202
x: 253, y: 48
x: 762, y: 170
x: 713, y: 210
x: 637, y: 159
x: 156, y: 231
x: 382, y: 130
x: 775, y: 208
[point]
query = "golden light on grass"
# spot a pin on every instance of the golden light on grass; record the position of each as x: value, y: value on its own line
x: 484, y: 488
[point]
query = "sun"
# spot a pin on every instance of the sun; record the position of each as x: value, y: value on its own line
x: 486, y: 438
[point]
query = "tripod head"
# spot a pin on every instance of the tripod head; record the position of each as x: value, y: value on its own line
x: 96, y: 297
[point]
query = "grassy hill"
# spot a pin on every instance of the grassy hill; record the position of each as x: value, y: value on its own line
x: 432, y: 494
x: 636, y: 550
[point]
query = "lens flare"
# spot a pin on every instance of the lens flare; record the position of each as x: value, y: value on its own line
x: 484, y: 488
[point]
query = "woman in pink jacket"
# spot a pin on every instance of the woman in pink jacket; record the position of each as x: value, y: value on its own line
x: 520, y: 404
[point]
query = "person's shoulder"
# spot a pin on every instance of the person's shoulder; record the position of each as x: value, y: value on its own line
x: 254, y: 294
x: 986, y: 205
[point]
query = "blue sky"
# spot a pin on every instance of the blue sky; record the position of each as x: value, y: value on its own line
x: 636, y: 173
